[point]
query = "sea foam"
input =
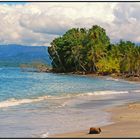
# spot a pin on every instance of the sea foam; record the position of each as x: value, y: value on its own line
x: 14, y: 102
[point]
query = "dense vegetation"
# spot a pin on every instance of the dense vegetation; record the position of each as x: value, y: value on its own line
x: 90, y: 51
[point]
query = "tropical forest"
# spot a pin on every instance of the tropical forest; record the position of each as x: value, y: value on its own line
x: 90, y: 51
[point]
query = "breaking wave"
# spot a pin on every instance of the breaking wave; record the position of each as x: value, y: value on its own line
x: 136, y: 91
x: 14, y: 102
x: 106, y: 92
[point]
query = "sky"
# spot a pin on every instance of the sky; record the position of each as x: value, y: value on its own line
x: 39, y: 23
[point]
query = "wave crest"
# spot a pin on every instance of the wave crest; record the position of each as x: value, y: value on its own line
x: 14, y: 102
x: 107, y: 92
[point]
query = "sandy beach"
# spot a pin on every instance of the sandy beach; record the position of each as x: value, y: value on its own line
x: 126, y: 124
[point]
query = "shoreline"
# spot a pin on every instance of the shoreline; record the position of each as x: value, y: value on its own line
x: 113, y: 75
x: 125, y: 125
x: 122, y: 77
x: 126, y: 77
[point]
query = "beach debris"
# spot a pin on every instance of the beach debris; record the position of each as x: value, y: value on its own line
x: 94, y: 130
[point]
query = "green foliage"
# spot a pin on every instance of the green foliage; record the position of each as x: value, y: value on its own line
x: 128, y: 55
x: 90, y: 50
x: 108, y: 65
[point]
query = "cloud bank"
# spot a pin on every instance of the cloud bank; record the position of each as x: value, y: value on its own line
x: 40, y: 23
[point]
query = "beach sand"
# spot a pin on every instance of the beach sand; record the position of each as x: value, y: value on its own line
x: 126, y: 124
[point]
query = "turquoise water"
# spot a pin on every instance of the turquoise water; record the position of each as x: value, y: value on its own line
x: 40, y: 104
x: 20, y: 85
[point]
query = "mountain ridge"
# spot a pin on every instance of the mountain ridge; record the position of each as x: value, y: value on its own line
x: 14, y: 54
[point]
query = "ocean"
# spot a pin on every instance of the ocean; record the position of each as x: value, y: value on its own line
x: 42, y: 104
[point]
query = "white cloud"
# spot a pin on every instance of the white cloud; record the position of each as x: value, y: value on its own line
x: 126, y: 22
x: 40, y: 23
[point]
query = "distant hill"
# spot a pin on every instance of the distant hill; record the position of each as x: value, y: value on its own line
x: 14, y: 55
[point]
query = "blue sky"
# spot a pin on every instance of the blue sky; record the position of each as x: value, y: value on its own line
x: 14, y: 3
x: 39, y: 23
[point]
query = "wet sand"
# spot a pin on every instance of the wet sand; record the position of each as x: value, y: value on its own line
x: 126, y: 124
